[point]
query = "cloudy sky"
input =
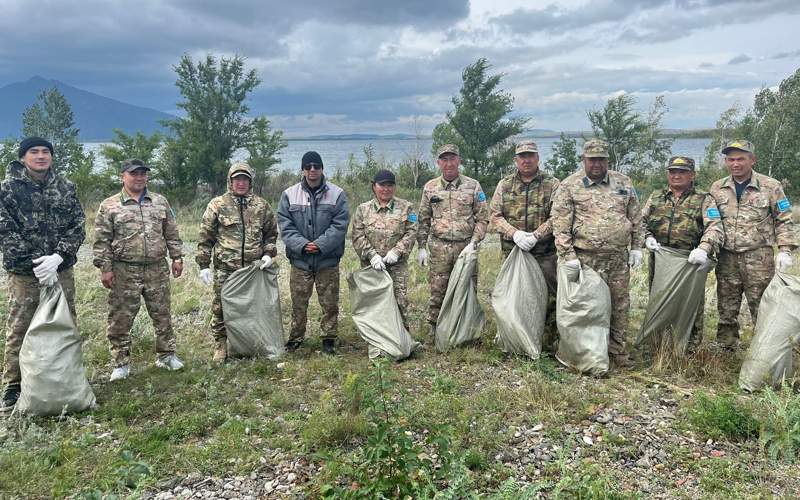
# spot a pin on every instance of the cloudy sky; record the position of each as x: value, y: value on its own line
x: 347, y: 66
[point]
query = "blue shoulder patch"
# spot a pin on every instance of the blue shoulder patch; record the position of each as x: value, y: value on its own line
x: 412, y: 217
x: 481, y: 196
x: 783, y: 205
x: 713, y: 213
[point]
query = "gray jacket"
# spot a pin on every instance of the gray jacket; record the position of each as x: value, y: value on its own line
x: 322, y: 218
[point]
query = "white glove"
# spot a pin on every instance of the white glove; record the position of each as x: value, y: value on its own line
x: 467, y: 249
x: 266, y: 262
x: 422, y: 257
x: 652, y: 244
x: 635, y: 259
x: 530, y: 241
x: 391, y: 257
x: 205, y: 276
x: 519, y: 238
x: 698, y: 256
x: 524, y: 240
x: 784, y: 261
x: 573, y: 264
x: 377, y: 263
x: 47, y: 270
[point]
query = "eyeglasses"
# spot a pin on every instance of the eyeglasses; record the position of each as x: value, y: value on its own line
x: 312, y: 166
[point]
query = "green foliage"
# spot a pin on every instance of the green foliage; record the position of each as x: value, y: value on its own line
x: 131, y: 471
x: 330, y: 425
x: 263, y: 150
x: 723, y: 416
x: 8, y: 153
x: 565, y: 159
x: 479, y: 125
x: 125, y: 147
x: 779, y: 416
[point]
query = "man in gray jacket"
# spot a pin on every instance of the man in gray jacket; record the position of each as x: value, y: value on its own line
x: 313, y: 219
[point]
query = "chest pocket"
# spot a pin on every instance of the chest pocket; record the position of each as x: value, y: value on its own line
x: 462, y: 204
x: 128, y: 222
x: 229, y: 222
x: 756, y: 207
x: 438, y: 207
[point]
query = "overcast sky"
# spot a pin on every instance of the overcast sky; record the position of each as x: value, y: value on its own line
x: 347, y: 66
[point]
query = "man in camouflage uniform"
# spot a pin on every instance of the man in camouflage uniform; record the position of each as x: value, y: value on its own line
x: 756, y: 215
x: 313, y: 219
x: 597, y: 222
x: 238, y: 228
x: 384, y: 231
x: 684, y: 218
x: 453, y: 213
x: 41, y: 230
x: 135, y: 230
x: 520, y: 213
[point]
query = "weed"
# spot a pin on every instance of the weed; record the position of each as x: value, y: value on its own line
x: 779, y: 416
x: 723, y: 416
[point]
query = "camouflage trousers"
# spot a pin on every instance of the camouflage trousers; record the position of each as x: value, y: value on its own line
x: 23, y: 299
x: 613, y: 268
x: 548, y: 263
x: 131, y: 283
x: 749, y: 272
x: 399, y: 274
x: 443, y: 255
x: 302, y: 285
x: 696, y: 337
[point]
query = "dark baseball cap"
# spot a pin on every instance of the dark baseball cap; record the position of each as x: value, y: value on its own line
x: 133, y: 164
x: 383, y: 176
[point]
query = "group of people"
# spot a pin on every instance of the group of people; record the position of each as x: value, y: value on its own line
x: 592, y: 218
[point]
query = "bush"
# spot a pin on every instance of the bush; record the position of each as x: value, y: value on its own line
x: 722, y: 416
x: 779, y: 416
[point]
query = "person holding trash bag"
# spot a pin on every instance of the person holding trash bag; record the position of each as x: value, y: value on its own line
x: 237, y: 229
x: 452, y: 221
x: 135, y: 230
x: 684, y: 218
x: 597, y: 222
x: 41, y: 230
x: 756, y: 215
x: 520, y: 213
x: 384, y: 232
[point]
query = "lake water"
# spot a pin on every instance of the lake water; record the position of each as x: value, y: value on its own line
x: 336, y: 153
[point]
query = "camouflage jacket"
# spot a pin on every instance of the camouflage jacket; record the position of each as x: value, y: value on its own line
x: 599, y: 216
x: 235, y: 244
x: 525, y: 207
x: 136, y: 231
x: 689, y: 222
x: 377, y: 230
x: 38, y: 219
x: 761, y: 218
x: 453, y: 211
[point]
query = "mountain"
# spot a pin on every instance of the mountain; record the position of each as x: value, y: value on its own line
x: 95, y: 116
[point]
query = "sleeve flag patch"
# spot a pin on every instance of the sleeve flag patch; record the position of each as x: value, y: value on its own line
x: 783, y: 205
x: 713, y: 213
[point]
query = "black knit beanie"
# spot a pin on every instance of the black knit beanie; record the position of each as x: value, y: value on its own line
x: 31, y: 142
x: 311, y: 157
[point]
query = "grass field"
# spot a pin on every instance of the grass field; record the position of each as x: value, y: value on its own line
x: 499, y: 427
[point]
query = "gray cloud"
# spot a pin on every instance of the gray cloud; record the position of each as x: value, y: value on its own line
x: 787, y: 55
x: 740, y: 59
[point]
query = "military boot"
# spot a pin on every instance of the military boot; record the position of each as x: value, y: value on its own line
x: 220, y: 352
x: 621, y: 361
x: 10, y: 397
x: 328, y: 346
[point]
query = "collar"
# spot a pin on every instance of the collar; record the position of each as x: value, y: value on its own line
x: 754, y: 181
x: 536, y: 178
x: 377, y: 206
x: 124, y: 198
x: 319, y: 188
x: 455, y: 182
x: 588, y: 182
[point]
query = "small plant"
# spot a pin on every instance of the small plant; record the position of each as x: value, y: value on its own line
x: 131, y: 472
x: 779, y: 416
x: 722, y: 416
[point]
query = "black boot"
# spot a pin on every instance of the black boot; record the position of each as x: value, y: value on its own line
x: 328, y: 346
x: 10, y: 397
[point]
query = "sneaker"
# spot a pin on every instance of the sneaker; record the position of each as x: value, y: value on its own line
x: 293, y: 345
x: 120, y: 373
x: 220, y: 352
x: 169, y: 362
x: 10, y: 397
x: 328, y: 346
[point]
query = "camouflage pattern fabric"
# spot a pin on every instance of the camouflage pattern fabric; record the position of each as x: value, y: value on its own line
x: 443, y: 255
x: 302, y: 285
x: 377, y: 230
x: 37, y: 219
x: 132, y: 281
x: 399, y: 274
x: 221, y: 275
x: 613, y: 269
x: 452, y: 211
x: 692, y: 221
x: 596, y: 216
x: 525, y: 207
x: 135, y: 231
x: 23, y: 299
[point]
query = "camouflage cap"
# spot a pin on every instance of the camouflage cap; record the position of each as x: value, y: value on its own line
x: 447, y: 148
x: 133, y: 164
x: 741, y: 145
x: 526, y: 146
x: 680, y: 163
x: 240, y: 169
x: 595, y: 148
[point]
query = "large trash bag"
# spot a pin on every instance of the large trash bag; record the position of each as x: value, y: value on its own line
x: 769, y: 358
x: 50, y: 361
x: 251, y: 307
x: 675, y: 294
x: 583, y: 316
x: 377, y: 316
x: 519, y: 300
x: 461, y: 318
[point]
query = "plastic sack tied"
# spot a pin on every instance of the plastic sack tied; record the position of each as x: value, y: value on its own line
x: 50, y: 361
x: 377, y: 316
x: 769, y: 358
x: 519, y: 300
x: 675, y: 294
x: 461, y: 318
x: 583, y: 316
x: 251, y: 307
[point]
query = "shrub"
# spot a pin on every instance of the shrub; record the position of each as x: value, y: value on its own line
x: 722, y: 416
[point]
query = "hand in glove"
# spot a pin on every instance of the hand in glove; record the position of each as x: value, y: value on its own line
x: 377, y: 263
x: 47, y: 268
x: 652, y: 244
x: 698, y: 256
x: 391, y: 257
x: 524, y: 240
x: 205, y: 276
x: 784, y: 261
x: 422, y: 257
x: 635, y: 259
x: 573, y: 264
x: 467, y: 249
x: 266, y: 261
